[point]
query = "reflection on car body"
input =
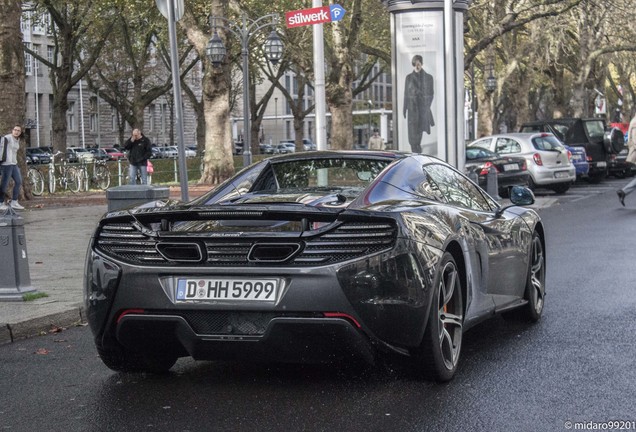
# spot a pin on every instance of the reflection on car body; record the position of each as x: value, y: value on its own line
x: 319, y: 256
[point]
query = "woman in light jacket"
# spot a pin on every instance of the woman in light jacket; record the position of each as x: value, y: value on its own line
x: 10, y: 169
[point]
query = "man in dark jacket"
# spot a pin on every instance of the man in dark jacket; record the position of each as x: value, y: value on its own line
x: 418, y: 98
x: 139, y: 151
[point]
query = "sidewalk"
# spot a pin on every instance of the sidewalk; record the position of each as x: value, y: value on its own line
x: 57, y: 234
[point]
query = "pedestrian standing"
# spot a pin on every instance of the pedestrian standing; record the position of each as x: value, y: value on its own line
x: 631, y: 158
x: 10, y: 170
x: 139, y: 151
x: 376, y: 142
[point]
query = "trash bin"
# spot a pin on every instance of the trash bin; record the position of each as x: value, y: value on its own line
x: 127, y: 196
x: 15, y: 280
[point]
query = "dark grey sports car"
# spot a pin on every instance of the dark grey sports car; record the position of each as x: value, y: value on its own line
x: 314, y: 257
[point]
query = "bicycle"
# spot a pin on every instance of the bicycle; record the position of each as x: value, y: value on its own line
x: 68, y: 177
x: 100, y: 177
x: 35, y: 180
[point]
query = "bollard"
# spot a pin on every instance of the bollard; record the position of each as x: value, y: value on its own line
x: 126, y: 196
x: 474, y: 177
x: 492, y: 183
x: 15, y: 280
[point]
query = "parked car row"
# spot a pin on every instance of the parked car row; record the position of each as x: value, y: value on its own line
x: 602, y: 143
x: 171, y: 152
x: 551, y: 162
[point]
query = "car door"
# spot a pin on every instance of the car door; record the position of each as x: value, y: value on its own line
x: 498, y: 242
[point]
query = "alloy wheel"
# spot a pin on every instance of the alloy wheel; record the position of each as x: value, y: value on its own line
x: 537, y: 275
x: 450, y: 315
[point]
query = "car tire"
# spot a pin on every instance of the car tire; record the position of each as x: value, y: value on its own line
x: 596, y: 178
x: 560, y: 188
x: 535, y: 285
x: 438, y: 355
x: 120, y: 359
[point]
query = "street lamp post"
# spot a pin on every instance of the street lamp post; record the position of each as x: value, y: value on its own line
x: 370, y: 103
x: 216, y: 52
x: 491, y: 81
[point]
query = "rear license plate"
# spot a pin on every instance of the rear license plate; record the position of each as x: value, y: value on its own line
x: 601, y: 164
x: 561, y: 174
x: 511, y: 167
x: 264, y: 290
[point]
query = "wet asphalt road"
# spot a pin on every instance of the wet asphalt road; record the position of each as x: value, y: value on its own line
x: 577, y: 364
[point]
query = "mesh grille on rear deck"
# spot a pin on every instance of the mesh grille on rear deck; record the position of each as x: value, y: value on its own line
x: 348, y: 241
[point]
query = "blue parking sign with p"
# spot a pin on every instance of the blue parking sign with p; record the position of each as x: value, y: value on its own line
x: 337, y: 12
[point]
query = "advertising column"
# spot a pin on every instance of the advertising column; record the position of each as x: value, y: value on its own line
x: 427, y: 117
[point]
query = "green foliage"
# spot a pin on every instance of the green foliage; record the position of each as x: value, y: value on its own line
x: 34, y: 296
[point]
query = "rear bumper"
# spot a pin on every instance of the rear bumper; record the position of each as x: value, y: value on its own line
x: 286, y: 339
x: 543, y: 176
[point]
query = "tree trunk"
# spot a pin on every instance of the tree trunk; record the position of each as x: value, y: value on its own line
x: 12, y: 104
x: 12, y: 80
x: 218, y: 159
x: 58, y: 121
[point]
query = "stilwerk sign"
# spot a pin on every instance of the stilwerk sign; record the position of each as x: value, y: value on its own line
x: 312, y: 16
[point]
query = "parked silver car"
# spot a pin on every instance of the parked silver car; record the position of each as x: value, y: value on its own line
x: 549, y: 162
x: 79, y: 154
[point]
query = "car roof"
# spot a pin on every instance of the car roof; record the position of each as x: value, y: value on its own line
x: 326, y: 154
x: 519, y: 135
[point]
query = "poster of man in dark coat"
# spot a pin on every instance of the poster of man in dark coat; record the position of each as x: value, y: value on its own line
x: 418, y: 98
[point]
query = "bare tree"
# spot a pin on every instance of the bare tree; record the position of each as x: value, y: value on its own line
x: 134, y: 67
x: 79, y: 29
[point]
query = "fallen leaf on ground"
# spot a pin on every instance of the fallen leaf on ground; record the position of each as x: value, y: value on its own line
x: 42, y: 351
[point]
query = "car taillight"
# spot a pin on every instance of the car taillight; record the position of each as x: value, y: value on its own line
x: 589, y: 158
x: 569, y: 156
x: 486, y: 168
x: 537, y: 159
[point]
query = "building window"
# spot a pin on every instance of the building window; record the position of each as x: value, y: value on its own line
x: 70, y: 116
x: 38, y: 27
x: 113, y: 119
x: 94, y: 113
x: 151, y: 110
x: 50, y: 54
x: 25, y: 22
x: 28, y: 61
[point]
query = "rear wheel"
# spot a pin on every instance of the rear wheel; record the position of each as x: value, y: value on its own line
x: 36, y: 180
x: 561, y: 188
x: 438, y: 355
x: 122, y: 360
x: 102, y: 177
x: 73, y: 179
x: 535, y: 285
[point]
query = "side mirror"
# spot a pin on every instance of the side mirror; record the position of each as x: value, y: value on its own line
x: 521, y: 196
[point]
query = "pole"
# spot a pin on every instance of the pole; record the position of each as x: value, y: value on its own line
x: 176, y: 86
x: 247, y: 134
x: 81, y: 98
x: 99, y: 119
x: 319, y: 84
x: 451, y: 83
x: 369, y: 125
x: 37, y: 103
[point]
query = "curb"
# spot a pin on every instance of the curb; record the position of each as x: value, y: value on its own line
x: 42, y: 325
